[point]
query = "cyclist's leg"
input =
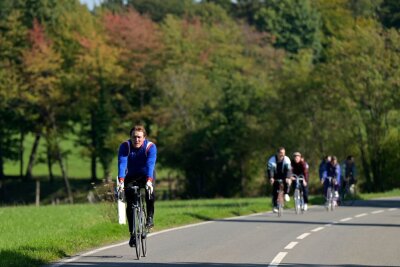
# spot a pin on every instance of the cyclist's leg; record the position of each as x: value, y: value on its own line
x: 275, y: 189
x: 305, y: 193
x: 325, y: 187
x: 129, y: 195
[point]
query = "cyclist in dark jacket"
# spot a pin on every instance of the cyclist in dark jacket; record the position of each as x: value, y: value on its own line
x: 136, y: 165
x: 323, y: 165
x: 300, y: 167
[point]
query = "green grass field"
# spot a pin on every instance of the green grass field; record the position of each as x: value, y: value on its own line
x: 33, y: 236
x: 77, y: 165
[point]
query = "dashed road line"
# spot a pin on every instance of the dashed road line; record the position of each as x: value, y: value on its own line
x: 393, y: 209
x: 346, y: 219
x: 291, y: 245
x: 317, y: 229
x: 377, y: 211
x: 361, y: 215
x: 303, y: 236
x: 278, y: 258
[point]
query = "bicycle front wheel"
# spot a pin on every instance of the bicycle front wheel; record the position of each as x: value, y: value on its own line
x: 143, y: 231
x: 137, y: 230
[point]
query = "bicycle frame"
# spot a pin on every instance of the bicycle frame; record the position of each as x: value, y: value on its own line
x: 280, y: 199
x: 330, y: 199
x: 298, y: 194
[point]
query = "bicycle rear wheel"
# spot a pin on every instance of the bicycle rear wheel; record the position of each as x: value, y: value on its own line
x: 297, y: 203
x: 136, y: 231
x: 280, y: 203
x: 328, y: 199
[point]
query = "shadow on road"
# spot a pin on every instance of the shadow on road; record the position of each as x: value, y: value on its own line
x: 379, y: 203
x: 207, y: 264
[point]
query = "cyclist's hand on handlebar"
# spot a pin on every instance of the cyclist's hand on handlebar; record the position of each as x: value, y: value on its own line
x: 271, y: 180
x: 149, y: 186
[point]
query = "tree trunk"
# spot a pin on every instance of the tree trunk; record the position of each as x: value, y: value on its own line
x: 93, y: 167
x: 366, y: 166
x: 1, y: 164
x: 93, y: 153
x: 37, y: 193
x: 64, y: 175
x: 50, y: 164
x: 32, y: 157
x: 21, y: 155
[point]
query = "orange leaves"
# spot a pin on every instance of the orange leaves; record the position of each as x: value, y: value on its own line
x: 137, y: 37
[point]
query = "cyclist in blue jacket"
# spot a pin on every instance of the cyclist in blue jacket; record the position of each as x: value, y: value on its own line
x: 136, y: 164
x: 332, y: 170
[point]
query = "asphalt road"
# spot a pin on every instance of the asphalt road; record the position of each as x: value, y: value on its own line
x: 364, y: 234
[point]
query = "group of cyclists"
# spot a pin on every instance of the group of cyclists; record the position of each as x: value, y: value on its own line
x: 281, y: 167
x: 137, y: 158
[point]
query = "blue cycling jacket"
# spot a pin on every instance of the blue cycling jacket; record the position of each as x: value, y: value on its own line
x: 332, y: 171
x: 133, y: 162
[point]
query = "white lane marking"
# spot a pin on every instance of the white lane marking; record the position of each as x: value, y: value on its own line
x: 317, y: 229
x: 361, y: 215
x: 346, y: 219
x: 328, y: 225
x: 278, y: 258
x: 392, y: 209
x: 291, y: 245
x: 303, y: 236
x: 377, y: 211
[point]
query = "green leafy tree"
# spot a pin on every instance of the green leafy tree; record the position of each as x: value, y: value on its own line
x: 363, y: 75
x: 295, y: 24
x: 389, y: 13
x: 159, y: 9
x: 12, y: 45
x: 96, y: 75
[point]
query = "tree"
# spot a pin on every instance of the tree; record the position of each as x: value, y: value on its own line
x: 96, y: 74
x: 366, y: 79
x: 389, y: 13
x: 44, y: 93
x: 295, y: 24
x: 12, y: 44
x: 159, y: 9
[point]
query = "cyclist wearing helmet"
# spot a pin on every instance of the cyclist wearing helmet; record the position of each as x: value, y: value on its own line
x: 300, y: 167
x: 279, y: 167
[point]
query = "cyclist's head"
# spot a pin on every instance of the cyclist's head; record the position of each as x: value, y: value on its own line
x: 327, y: 158
x: 297, y: 157
x: 350, y: 158
x: 334, y: 160
x: 138, y: 134
x: 280, y: 153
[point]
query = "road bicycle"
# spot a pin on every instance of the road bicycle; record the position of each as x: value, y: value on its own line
x: 331, y: 200
x: 349, y: 190
x: 280, y: 200
x: 298, y: 194
x: 140, y: 230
